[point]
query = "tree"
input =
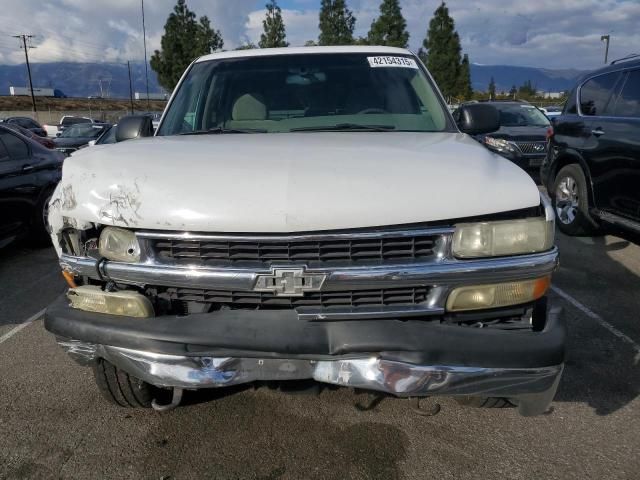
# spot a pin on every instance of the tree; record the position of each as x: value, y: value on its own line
x: 492, y: 89
x: 464, y: 79
x: 247, y: 46
x: 274, y: 32
x: 336, y: 23
x: 527, y: 89
x: 184, y: 39
x: 442, y: 46
x: 390, y: 28
x: 513, y: 92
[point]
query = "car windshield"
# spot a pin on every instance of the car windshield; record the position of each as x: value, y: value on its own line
x: 83, y: 131
x: 521, y: 115
x: 284, y: 93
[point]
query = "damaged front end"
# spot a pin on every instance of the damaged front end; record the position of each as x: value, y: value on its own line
x: 369, y: 309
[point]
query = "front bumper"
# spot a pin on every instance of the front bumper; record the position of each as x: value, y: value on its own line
x: 399, y: 357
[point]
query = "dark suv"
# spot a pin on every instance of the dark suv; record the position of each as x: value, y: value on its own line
x: 592, y: 170
x: 522, y: 137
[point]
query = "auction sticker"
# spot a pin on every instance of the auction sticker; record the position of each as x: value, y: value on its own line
x: 402, y: 62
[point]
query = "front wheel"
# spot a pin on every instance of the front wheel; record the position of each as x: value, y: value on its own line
x: 118, y: 387
x: 571, y: 202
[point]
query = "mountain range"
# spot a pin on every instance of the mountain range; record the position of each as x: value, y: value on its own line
x: 112, y: 80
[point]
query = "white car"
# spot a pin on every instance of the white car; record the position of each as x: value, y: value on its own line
x: 65, y: 122
x: 308, y: 213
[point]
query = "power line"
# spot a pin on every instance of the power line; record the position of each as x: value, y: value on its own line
x: 24, y: 38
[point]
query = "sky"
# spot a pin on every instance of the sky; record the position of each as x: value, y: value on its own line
x: 555, y: 34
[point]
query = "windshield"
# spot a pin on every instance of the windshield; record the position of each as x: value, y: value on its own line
x: 284, y: 93
x: 83, y: 131
x: 521, y: 116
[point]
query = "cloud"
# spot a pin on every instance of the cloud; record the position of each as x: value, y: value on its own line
x: 544, y: 33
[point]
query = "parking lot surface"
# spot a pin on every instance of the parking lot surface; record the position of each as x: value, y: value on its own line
x: 54, y: 424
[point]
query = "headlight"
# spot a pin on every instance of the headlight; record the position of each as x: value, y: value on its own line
x: 119, y: 244
x: 497, y: 295
x: 499, y: 144
x: 508, y: 237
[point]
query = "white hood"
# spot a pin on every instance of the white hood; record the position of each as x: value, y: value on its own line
x: 288, y: 182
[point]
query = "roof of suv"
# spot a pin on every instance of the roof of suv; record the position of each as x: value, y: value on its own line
x: 261, y: 52
x: 619, y: 65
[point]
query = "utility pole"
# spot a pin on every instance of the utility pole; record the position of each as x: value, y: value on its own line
x: 146, y: 67
x: 24, y: 38
x: 606, y: 38
x: 130, y: 86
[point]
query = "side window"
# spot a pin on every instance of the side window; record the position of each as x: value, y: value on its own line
x: 628, y: 103
x: 16, y: 148
x: 595, y: 94
x: 571, y: 107
x: 26, y: 123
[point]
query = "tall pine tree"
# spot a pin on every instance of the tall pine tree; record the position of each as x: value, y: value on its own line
x: 390, y: 28
x: 184, y: 39
x: 464, y: 79
x: 442, y: 47
x: 274, y: 32
x: 492, y: 89
x: 336, y: 23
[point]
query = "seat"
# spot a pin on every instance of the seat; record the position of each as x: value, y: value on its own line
x: 249, y: 106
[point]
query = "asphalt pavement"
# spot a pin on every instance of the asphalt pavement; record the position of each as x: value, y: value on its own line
x: 54, y: 424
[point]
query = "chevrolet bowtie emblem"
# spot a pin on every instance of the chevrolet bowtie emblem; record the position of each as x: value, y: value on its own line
x: 289, y: 282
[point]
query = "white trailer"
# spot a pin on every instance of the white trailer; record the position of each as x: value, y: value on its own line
x: 152, y: 96
x: 37, y: 92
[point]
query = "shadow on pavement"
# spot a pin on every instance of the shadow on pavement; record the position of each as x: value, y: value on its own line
x: 602, y: 370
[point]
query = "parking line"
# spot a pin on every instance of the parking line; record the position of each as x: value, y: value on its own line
x: 593, y: 315
x: 24, y: 324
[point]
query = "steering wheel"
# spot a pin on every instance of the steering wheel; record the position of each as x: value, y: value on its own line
x: 371, y: 110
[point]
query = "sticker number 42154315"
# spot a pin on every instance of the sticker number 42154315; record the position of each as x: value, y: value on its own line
x: 402, y: 62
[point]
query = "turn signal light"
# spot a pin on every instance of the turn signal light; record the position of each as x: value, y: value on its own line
x: 125, y: 302
x: 497, y: 295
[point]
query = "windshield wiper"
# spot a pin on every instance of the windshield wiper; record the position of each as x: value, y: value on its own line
x: 346, y: 127
x: 218, y: 130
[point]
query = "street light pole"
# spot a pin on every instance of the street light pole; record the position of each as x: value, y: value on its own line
x: 130, y: 86
x: 146, y: 67
x: 26, y: 57
x: 605, y: 38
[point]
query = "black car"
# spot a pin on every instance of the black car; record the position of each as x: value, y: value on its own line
x: 78, y: 135
x: 28, y: 123
x: 28, y: 174
x: 592, y: 171
x: 522, y: 137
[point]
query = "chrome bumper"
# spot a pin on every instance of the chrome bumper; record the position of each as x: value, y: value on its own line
x: 531, y: 389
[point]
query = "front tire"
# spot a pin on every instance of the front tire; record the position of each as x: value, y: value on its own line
x: 40, y: 230
x: 118, y: 387
x: 571, y: 202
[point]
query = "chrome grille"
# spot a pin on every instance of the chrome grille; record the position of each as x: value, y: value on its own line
x: 532, y: 148
x: 264, y: 300
x: 382, y: 248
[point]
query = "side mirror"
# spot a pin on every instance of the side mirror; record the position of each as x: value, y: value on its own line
x: 58, y: 134
x: 134, y: 126
x: 478, y: 118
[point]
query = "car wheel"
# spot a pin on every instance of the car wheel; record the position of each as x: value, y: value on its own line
x: 40, y: 229
x: 571, y: 202
x: 118, y: 387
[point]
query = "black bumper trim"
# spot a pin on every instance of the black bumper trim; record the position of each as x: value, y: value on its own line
x: 281, y: 333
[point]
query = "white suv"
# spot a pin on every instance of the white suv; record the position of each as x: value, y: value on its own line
x: 308, y: 213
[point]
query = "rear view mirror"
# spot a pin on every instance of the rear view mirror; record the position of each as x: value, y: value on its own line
x: 134, y: 126
x: 478, y: 118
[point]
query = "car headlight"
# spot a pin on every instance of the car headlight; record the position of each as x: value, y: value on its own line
x: 499, y: 144
x: 507, y: 237
x: 119, y: 244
